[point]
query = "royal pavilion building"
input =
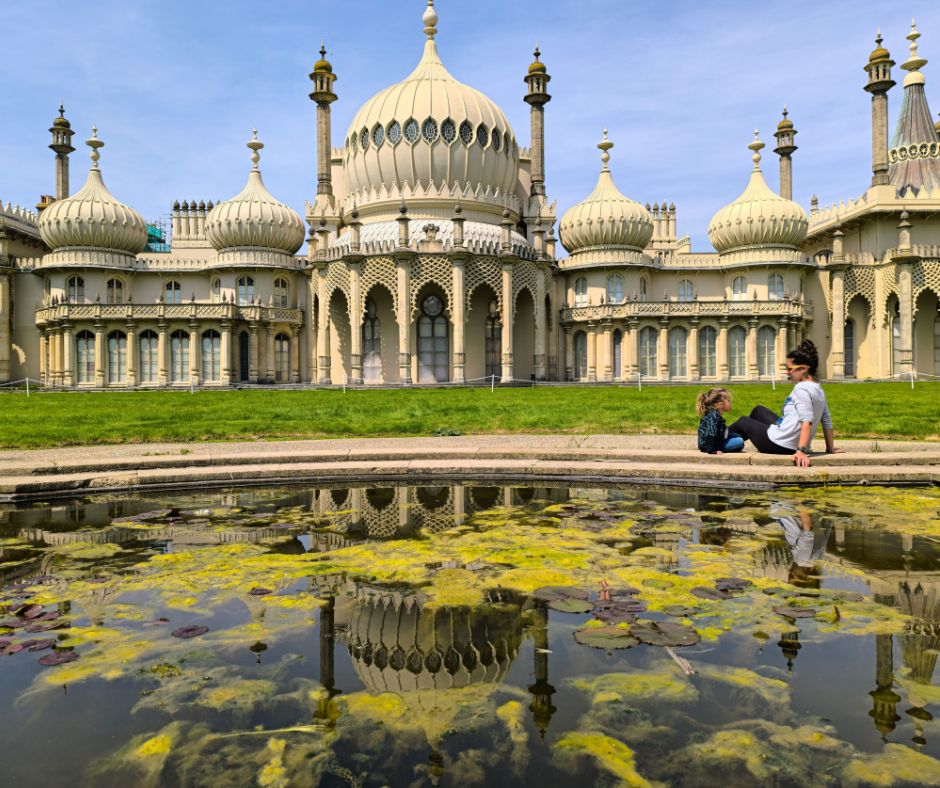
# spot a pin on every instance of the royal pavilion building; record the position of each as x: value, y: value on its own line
x: 431, y: 257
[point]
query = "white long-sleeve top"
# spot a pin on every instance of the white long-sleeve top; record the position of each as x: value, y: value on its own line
x: 806, y: 402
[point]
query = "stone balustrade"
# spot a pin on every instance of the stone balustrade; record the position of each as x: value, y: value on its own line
x: 688, y: 309
x: 190, y: 311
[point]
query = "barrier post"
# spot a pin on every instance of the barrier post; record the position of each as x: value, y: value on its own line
x: 639, y: 381
x: 912, y: 380
x: 27, y: 385
x: 773, y: 380
x: 492, y: 383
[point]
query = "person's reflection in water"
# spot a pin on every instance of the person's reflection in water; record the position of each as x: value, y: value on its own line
x: 807, y: 543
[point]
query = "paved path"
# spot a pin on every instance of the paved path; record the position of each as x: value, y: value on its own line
x: 44, y: 473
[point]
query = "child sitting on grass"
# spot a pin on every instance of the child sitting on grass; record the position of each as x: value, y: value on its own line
x: 713, y: 435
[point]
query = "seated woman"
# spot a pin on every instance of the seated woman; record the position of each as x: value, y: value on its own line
x: 803, y: 411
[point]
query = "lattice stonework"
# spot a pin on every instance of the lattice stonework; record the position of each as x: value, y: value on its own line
x: 431, y: 269
x: 378, y: 271
x: 524, y: 275
x: 925, y: 276
x: 337, y: 277
x: 887, y: 284
x: 483, y: 270
x: 860, y: 280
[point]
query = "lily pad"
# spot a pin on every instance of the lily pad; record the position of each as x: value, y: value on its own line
x: 58, y: 658
x: 571, y: 605
x: 679, y: 610
x: 664, y: 633
x: 41, y: 645
x: 703, y: 592
x: 258, y: 591
x: 13, y: 648
x: 605, y: 637
x: 553, y: 593
x: 796, y: 612
x: 732, y: 583
x: 617, y: 612
x: 192, y: 631
x: 30, y: 611
x: 13, y: 623
x: 44, y: 626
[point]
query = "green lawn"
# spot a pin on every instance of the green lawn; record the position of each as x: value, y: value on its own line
x: 869, y: 410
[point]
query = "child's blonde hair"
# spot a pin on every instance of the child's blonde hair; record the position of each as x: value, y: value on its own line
x: 707, y: 400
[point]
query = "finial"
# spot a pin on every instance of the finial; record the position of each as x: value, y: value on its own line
x: 785, y: 112
x: 430, y: 21
x: 756, y: 146
x: 537, y: 52
x: 915, y: 61
x: 94, y: 143
x: 458, y: 208
x: 322, y: 49
x: 605, y: 145
x: 878, y: 38
x: 255, y: 145
x: 61, y: 110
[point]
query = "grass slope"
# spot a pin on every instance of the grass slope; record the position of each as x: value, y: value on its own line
x: 871, y: 410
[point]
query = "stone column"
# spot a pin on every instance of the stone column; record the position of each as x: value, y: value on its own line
x: 662, y: 350
x: 43, y: 349
x: 269, y: 332
x: 460, y: 504
x: 355, y: 325
x: 225, y: 351
x: 783, y: 325
x: 100, y: 355
x: 195, y: 354
x: 254, y: 358
x: 592, y: 352
x: 131, y: 354
x: 162, y: 350
x: 607, y: 350
x: 5, y: 345
x: 323, y: 330
x: 54, y: 369
x: 457, y: 313
x: 906, y: 315
x: 540, y: 328
x: 403, y: 281
x: 569, y: 352
x: 837, y: 283
x: 630, y: 343
x: 67, y: 344
x: 311, y: 326
x: 750, y: 349
x: 295, y: 354
x: 507, y: 320
x: 692, y: 350
x: 721, y: 348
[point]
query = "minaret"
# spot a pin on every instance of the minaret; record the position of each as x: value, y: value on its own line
x: 786, y: 146
x: 879, y: 83
x: 323, y: 78
x: 884, y: 699
x: 62, y: 146
x: 537, y: 79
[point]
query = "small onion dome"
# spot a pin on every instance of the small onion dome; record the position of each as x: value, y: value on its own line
x: 937, y: 126
x: 322, y: 65
x: 537, y: 67
x: 61, y: 122
x: 605, y: 218
x: 253, y: 218
x: 93, y: 217
x: 879, y: 54
x: 785, y: 123
x: 759, y: 217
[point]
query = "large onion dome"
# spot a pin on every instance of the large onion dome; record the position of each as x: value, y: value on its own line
x: 253, y: 218
x: 93, y: 218
x: 606, y: 225
x: 760, y: 220
x: 430, y: 137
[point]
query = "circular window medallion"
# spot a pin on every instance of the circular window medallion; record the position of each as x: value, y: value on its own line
x: 432, y: 306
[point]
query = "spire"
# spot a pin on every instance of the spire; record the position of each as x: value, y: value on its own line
x: 255, y: 145
x: 605, y: 145
x: 94, y: 143
x: 756, y: 146
x: 915, y: 62
x: 429, y: 18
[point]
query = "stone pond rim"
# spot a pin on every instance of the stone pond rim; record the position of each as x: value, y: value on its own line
x: 588, y: 459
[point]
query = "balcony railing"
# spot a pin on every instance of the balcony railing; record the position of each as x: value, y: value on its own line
x: 190, y: 312
x: 659, y: 309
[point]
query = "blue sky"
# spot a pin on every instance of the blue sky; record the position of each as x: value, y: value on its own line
x: 175, y: 88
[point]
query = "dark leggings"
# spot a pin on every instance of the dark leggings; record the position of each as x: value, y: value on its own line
x: 754, y: 429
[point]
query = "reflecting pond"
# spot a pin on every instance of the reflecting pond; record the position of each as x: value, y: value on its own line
x: 472, y: 635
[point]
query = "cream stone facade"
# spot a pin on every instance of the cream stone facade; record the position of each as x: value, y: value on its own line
x: 432, y: 258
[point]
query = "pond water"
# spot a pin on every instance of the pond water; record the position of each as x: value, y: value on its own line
x: 472, y: 635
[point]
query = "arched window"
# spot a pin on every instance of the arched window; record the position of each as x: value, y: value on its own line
x: 678, y: 342
x: 246, y: 290
x: 707, y: 342
x: 775, y: 287
x: 493, y: 342
x: 149, y: 364
x: 848, y: 343
x: 211, y: 357
x: 433, y: 342
x: 617, y: 355
x: 648, y: 337
x: 117, y: 357
x: 643, y: 288
x: 580, y: 356
x: 686, y: 291
x: 179, y: 356
x: 173, y: 292
x: 85, y: 355
x: 739, y: 289
x: 114, y: 291
x: 281, y: 358
x: 766, y: 351
x: 216, y: 290
x: 281, y: 293
x: 896, y: 343
x: 580, y: 291
x: 371, y: 344
x: 614, y: 289
x: 75, y: 289
x: 737, y: 366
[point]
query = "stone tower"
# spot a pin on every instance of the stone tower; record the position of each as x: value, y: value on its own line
x: 786, y: 147
x: 879, y: 83
x: 323, y: 79
x: 537, y: 80
x: 61, y: 131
